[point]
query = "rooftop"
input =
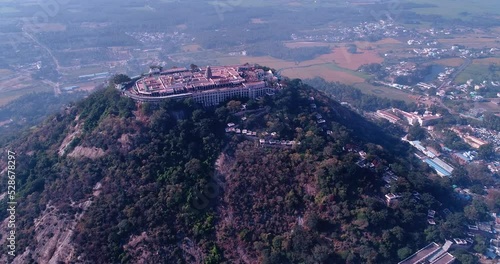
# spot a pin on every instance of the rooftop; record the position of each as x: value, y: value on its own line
x: 182, y: 81
x: 422, y: 254
x: 431, y: 254
x: 439, y: 169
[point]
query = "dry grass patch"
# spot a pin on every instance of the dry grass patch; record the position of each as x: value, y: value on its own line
x: 258, y: 21
x: 486, y: 61
x: 191, y: 48
x: 382, y: 42
x: 451, y: 62
x: 306, y: 44
x: 472, y: 41
x: 182, y: 26
x: 347, y: 60
x: 323, y: 72
x: 4, y: 72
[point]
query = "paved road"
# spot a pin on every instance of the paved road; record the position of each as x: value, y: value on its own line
x: 56, y: 86
x: 152, y: 99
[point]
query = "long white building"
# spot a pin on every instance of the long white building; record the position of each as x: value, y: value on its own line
x: 208, y: 86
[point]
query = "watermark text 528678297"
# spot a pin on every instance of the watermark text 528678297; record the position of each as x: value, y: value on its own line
x: 11, y: 202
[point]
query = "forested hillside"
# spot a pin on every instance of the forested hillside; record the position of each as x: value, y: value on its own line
x: 110, y: 181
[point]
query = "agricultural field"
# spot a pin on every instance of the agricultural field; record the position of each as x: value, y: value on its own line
x: 386, y: 92
x: 337, y: 66
x: 452, y: 9
x: 258, y: 21
x: 387, y: 42
x: 488, y: 61
x: 191, y: 48
x: 450, y: 62
x: 345, y: 59
x: 324, y: 71
x: 491, y: 106
x: 338, y: 60
x: 19, y: 87
x: 472, y: 41
x: 306, y: 44
x: 264, y: 60
x: 478, y: 71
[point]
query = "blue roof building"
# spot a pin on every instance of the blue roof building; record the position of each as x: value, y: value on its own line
x: 440, y: 170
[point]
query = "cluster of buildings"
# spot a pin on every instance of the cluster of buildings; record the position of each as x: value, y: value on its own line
x: 289, y: 143
x: 268, y: 139
x: 430, y: 156
x: 155, y: 38
x: 471, y: 90
x: 403, y: 68
x: 94, y: 76
x: 362, y: 31
x: 491, y: 231
x: 412, y: 118
x: 465, y: 157
x: 486, y: 135
x: 209, y: 85
x: 241, y: 131
x: 395, y: 115
x: 494, y: 249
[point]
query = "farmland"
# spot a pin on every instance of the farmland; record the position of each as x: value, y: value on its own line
x: 323, y: 71
x: 343, y: 58
x: 451, y: 9
x: 338, y: 66
x: 451, y: 62
x: 477, y: 71
x: 191, y: 48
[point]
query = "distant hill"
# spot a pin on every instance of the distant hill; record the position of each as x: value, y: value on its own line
x: 110, y: 181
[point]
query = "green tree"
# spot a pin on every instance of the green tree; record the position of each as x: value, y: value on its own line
x: 464, y: 257
x: 416, y: 132
x: 486, y: 152
x: 194, y: 67
x: 460, y: 177
x: 120, y: 78
x: 234, y: 105
x: 481, y: 244
x: 477, y: 211
x: 214, y: 256
x: 404, y: 252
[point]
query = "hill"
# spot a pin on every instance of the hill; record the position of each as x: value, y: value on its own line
x: 110, y: 181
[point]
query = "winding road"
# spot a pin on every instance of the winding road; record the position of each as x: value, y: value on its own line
x: 56, y: 86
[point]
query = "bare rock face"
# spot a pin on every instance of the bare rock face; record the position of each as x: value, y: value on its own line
x: 53, y: 234
x: 52, y: 243
x: 91, y: 153
x: 75, y: 131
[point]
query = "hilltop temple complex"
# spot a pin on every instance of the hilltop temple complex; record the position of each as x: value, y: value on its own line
x: 209, y: 85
